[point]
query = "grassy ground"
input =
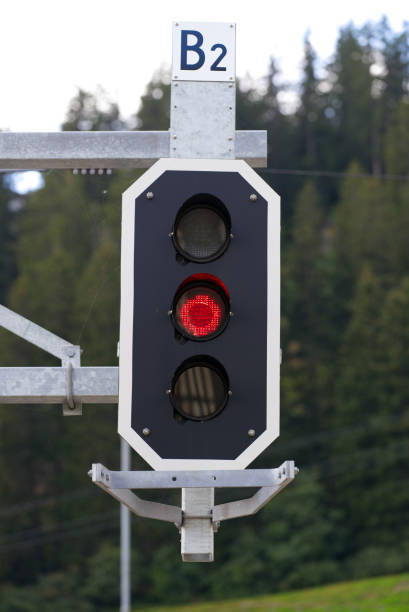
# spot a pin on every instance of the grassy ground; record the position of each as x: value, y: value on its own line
x: 385, y: 594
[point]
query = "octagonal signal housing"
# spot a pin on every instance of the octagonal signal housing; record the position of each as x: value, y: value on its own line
x: 200, y: 315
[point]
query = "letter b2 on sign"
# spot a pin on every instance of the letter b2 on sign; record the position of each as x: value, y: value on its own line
x: 204, y: 51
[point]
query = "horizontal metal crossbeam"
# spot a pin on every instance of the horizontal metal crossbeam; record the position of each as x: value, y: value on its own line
x: 127, y: 149
x: 192, y: 479
x: 48, y: 385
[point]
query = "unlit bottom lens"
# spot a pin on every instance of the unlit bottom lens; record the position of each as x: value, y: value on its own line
x: 200, y: 389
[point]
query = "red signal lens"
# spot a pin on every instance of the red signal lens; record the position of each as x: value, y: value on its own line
x: 201, y: 309
x: 200, y: 315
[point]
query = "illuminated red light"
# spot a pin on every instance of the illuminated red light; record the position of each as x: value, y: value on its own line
x: 200, y: 315
x: 201, y: 307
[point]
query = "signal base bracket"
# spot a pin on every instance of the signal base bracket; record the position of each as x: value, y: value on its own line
x: 119, y: 485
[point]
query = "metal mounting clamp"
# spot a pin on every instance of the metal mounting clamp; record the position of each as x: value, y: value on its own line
x: 71, y: 356
x: 70, y: 401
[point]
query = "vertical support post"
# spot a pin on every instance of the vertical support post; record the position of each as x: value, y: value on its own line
x: 197, y: 527
x: 125, y: 599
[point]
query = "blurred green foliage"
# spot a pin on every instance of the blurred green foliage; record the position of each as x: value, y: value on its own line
x: 345, y: 338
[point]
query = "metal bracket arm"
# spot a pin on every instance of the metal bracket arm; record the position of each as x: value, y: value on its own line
x: 251, y: 505
x: 140, y: 507
x: 119, y: 483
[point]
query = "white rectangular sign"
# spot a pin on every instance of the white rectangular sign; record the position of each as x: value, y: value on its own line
x: 204, y: 51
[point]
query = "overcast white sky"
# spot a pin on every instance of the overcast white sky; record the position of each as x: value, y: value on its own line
x: 49, y: 47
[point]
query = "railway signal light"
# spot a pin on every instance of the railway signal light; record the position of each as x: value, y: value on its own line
x: 199, y: 387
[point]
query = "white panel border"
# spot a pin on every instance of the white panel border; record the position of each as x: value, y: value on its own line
x: 273, y: 314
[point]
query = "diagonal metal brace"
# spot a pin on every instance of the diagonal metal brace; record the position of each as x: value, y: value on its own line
x: 33, y: 333
x: 251, y: 505
x: 69, y: 354
x: 140, y: 507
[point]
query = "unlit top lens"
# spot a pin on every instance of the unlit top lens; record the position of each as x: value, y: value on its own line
x: 202, y: 229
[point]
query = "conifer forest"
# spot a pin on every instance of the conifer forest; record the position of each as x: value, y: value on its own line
x: 338, y: 155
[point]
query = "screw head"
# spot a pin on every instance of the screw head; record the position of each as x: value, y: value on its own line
x: 149, y: 195
x: 146, y: 431
x: 251, y: 433
x: 253, y: 197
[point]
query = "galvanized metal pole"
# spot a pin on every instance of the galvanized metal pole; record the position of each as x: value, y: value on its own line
x: 125, y: 599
